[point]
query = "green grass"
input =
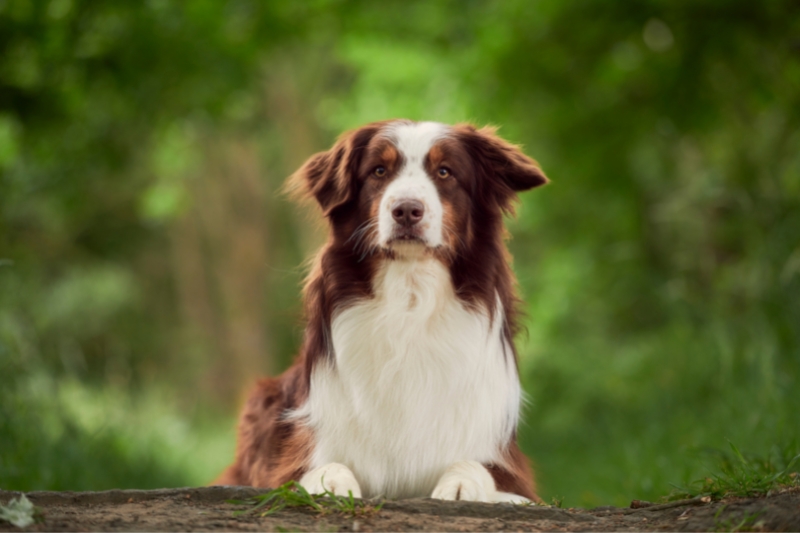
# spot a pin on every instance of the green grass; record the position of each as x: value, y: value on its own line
x: 555, y: 501
x: 739, y: 475
x: 608, y: 424
x: 292, y: 494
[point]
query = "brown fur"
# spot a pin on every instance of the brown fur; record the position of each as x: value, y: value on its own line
x: 486, y: 174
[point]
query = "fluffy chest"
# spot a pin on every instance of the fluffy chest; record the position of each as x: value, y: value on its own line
x: 419, y: 382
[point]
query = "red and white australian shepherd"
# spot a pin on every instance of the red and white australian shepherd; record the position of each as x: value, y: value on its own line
x: 406, y: 384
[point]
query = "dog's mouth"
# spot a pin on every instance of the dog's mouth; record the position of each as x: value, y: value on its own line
x: 407, y: 239
x: 407, y: 243
x: 407, y: 236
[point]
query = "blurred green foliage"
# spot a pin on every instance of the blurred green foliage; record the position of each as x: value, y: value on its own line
x: 149, y: 269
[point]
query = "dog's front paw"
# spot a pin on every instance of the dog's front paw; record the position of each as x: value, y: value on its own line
x: 333, y: 477
x: 465, y: 480
x: 509, y: 497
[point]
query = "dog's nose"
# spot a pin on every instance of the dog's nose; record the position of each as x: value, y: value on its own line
x: 408, y: 212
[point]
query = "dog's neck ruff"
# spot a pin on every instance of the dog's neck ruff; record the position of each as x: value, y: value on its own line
x: 417, y: 382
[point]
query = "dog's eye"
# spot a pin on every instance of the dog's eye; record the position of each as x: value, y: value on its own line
x: 379, y: 172
x: 444, y: 172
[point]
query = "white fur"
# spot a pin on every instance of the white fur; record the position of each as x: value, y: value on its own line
x: 419, y: 384
x: 469, y: 480
x: 333, y: 477
x: 413, y: 141
x: 465, y: 480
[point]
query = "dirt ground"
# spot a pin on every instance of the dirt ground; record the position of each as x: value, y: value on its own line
x: 205, y: 509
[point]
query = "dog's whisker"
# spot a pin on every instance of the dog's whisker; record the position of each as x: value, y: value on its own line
x: 364, y: 226
x: 450, y: 231
x: 361, y: 234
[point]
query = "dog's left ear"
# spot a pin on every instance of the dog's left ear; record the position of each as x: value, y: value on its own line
x: 503, y: 164
x: 331, y: 177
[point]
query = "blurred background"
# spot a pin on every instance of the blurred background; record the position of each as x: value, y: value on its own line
x: 150, y: 269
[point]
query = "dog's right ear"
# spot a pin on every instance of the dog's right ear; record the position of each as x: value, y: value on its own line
x: 331, y: 177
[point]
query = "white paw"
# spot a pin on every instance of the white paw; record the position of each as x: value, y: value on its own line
x: 508, y: 497
x: 465, y: 480
x: 333, y: 477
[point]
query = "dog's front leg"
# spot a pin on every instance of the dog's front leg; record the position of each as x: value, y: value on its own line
x: 471, y: 481
x: 333, y: 477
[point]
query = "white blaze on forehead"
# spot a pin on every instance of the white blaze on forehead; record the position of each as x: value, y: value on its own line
x: 413, y: 141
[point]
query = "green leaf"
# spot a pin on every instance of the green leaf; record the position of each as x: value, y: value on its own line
x: 19, y: 511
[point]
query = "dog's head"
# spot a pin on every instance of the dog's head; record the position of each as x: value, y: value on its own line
x: 406, y: 189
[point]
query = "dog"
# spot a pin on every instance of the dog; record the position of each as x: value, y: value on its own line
x: 406, y: 383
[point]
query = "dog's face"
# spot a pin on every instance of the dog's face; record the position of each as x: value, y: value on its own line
x: 407, y: 189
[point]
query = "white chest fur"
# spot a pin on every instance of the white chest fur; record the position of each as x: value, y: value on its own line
x: 420, y: 382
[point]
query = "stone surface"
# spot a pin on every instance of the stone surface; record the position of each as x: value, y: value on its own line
x: 207, y: 509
